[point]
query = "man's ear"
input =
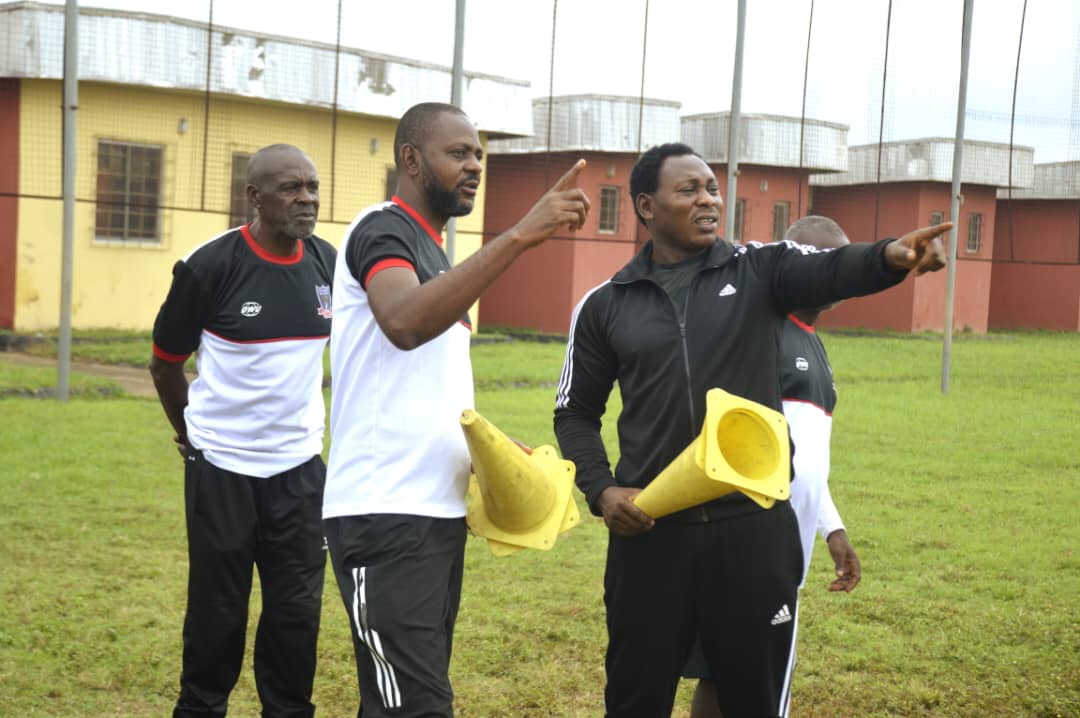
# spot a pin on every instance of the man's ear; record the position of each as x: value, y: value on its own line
x: 252, y: 195
x: 644, y: 204
x: 410, y: 159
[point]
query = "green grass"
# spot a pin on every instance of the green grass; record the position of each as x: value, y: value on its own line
x: 40, y: 382
x: 963, y: 509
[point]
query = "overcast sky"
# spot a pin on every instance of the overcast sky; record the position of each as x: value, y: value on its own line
x: 690, y: 52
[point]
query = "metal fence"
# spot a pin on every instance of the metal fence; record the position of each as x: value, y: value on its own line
x: 879, y: 77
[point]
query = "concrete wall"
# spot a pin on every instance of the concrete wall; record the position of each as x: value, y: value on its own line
x: 1036, y: 271
x: 918, y: 304
x: 541, y: 288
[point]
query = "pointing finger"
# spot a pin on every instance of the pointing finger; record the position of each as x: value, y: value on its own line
x: 926, y: 234
x: 569, y: 179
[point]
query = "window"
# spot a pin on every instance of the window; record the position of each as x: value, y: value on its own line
x: 128, y: 192
x: 974, y: 239
x: 240, y: 212
x: 740, y: 215
x: 937, y: 216
x: 781, y: 213
x: 609, y: 209
x: 391, y: 182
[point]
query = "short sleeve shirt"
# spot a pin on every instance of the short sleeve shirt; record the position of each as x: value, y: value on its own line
x: 259, y: 323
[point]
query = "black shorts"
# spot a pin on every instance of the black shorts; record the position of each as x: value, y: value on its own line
x: 400, y: 580
x: 732, y: 583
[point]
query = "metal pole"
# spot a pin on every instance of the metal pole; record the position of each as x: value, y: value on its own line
x: 67, y: 263
x: 334, y: 115
x: 954, y: 211
x: 733, y: 125
x: 457, y: 77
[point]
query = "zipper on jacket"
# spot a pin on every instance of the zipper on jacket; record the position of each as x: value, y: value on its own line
x: 704, y: 515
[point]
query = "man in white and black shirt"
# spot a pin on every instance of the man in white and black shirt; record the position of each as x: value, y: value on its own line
x: 255, y: 303
x: 399, y: 353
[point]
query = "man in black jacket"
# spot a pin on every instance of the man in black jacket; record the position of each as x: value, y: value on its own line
x: 689, y: 313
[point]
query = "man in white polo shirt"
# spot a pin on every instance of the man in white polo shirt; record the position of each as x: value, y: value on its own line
x: 394, y: 506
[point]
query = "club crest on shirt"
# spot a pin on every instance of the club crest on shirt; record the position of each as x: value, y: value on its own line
x: 801, y: 364
x: 322, y: 292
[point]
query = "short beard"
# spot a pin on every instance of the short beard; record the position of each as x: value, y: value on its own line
x: 443, y: 202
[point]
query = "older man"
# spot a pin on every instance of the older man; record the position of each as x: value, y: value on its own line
x: 255, y: 303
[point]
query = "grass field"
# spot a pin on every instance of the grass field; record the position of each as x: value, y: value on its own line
x: 963, y: 508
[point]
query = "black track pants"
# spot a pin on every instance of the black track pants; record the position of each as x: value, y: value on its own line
x: 236, y: 523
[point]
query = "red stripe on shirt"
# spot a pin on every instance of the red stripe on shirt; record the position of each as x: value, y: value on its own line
x: 386, y: 264
x: 274, y: 258
x: 168, y: 356
x: 419, y: 220
x: 801, y: 324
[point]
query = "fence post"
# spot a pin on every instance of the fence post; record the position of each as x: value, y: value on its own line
x: 954, y: 210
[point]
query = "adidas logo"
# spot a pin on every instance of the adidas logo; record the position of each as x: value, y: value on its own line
x: 782, y: 616
x: 727, y: 291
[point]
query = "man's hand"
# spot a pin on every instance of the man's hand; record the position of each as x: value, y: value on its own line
x: 920, y: 250
x: 564, y: 205
x: 848, y: 568
x: 621, y: 516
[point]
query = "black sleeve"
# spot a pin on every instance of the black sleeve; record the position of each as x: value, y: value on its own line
x: 804, y: 278
x: 179, y: 323
x: 371, y: 242
x: 587, y: 377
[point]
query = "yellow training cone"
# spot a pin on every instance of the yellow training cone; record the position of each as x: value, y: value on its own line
x: 742, y: 447
x: 516, y: 499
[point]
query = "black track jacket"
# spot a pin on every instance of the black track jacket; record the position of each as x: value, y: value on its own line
x: 627, y: 330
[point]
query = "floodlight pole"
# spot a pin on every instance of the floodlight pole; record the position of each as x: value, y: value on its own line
x: 733, y: 125
x: 954, y: 210
x: 457, y: 77
x: 67, y: 263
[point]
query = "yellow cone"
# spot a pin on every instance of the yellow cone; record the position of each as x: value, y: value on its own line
x: 516, y: 500
x: 742, y: 447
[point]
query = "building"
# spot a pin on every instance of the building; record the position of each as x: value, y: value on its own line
x: 1036, y: 270
x: 773, y: 190
x: 541, y: 289
x: 162, y: 150
x: 891, y: 189
x: 775, y: 162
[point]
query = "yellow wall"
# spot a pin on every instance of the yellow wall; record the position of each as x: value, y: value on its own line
x: 122, y: 284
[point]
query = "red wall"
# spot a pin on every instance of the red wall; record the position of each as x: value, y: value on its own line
x: 1043, y: 230
x: 9, y: 202
x: 1040, y: 296
x: 1036, y: 276
x: 540, y: 290
x: 917, y: 304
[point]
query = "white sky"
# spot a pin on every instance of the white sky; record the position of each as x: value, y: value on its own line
x: 691, y: 46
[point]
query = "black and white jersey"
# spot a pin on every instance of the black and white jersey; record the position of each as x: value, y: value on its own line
x: 260, y: 323
x: 809, y: 395
x: 396, y: 440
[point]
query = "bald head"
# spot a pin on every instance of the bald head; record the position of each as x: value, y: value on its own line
x: 268, y: 161
x: 416, y: 124
x: 817, y: 231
